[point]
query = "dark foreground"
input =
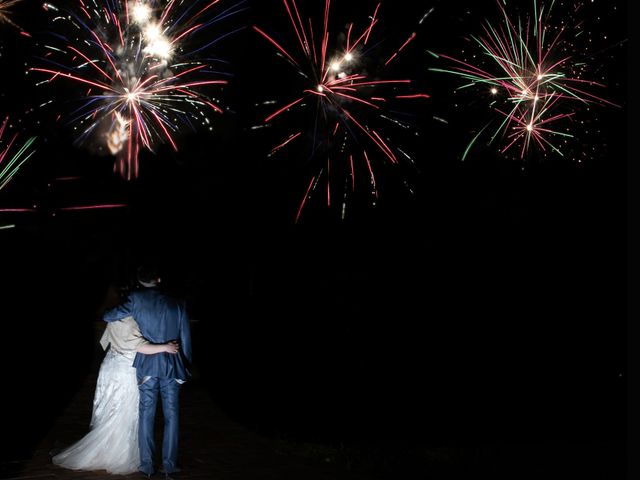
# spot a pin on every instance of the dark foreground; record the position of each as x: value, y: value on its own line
x: 215, y: 445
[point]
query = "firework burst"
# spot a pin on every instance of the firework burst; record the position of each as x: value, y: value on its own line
x: 13, y: 153
x: 143, y: 70
x: 5, y: 12
x: 532, y: 77
x: 341, y: 101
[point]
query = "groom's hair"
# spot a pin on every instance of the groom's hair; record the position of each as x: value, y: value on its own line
x: 148, y: 275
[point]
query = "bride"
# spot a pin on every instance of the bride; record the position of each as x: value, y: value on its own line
x: 112, y: 442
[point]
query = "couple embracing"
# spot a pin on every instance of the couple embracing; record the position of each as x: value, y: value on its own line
x: 149, y: 352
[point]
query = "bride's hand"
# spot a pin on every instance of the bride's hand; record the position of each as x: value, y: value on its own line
x: 172, y: 347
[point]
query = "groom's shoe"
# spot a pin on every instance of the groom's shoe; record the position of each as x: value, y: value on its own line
x: 173, y: 475
x: 145, y: 474
x: 175, y: 470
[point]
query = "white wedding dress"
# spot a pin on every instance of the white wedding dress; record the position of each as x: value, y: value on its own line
x: 112, y: 442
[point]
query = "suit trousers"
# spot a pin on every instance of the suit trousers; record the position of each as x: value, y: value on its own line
x: 168, y: 390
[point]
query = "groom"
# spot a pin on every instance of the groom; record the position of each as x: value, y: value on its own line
x: 161, y: 319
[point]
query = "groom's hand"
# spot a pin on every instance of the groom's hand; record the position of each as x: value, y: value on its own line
x: 172, y: 347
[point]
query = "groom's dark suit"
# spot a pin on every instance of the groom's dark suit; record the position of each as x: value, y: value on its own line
x: 161, y: 319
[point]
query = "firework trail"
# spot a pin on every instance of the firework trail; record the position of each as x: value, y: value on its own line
x: 5, y: 14
x: 532, y: 79
x: 345, y: 112
x: 13, y: 154
x: 142, y: 69
x: 52, y: 211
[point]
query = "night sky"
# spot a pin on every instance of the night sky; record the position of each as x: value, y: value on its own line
x: 467, y: 301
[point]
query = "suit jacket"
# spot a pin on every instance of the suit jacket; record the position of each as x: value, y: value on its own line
x: 161, y: 318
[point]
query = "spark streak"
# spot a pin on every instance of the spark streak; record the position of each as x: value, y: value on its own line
x: 12, y: 154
